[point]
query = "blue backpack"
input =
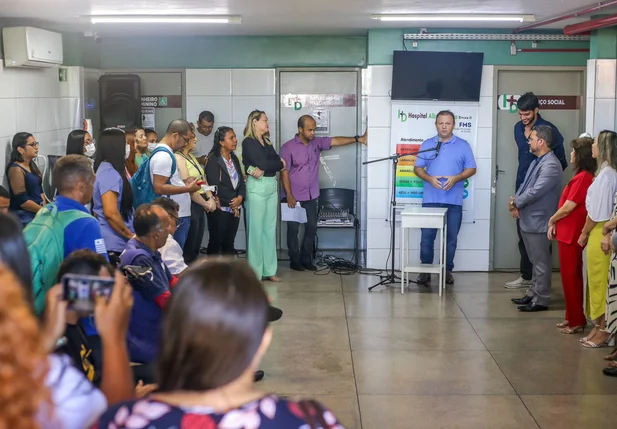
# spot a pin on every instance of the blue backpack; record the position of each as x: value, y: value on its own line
x: 143, y: 190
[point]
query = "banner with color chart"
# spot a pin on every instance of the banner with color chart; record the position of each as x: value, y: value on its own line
x: 414, y: 123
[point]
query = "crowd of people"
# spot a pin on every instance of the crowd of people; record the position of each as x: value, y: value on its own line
x: 582, y: 218
x: 180, y: 339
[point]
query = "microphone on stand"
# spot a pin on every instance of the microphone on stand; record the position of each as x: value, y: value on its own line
x: 438, y: 147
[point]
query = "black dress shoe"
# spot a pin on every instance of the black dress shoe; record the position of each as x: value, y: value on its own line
x: 610, y: 372
x: 259, y: 375
x: 274, y: 313
x: 526, y: 300
x: 296, y: 267
x: 310, y: 267
x: 532, y: 308
x: 423, y: 279
x: 449, y: 278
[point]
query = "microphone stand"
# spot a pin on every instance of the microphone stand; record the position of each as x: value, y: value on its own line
x: 392, y: 278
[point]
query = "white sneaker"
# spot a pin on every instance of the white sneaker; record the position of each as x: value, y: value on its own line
x: 519, y: 283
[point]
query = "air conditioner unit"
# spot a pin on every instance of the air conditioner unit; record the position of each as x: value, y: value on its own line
x: 31, y: 47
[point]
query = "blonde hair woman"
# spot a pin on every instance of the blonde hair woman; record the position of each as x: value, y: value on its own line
x: 261, y: 163
x: 201, y: 201
x: 599, y: 204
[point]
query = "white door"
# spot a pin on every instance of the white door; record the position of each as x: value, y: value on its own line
x: 334, y: 96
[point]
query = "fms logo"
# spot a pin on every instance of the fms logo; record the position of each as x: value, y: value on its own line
x: 402, y: 116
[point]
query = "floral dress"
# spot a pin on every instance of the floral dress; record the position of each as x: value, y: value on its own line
x: 611, y: 293
x: 269, y: 412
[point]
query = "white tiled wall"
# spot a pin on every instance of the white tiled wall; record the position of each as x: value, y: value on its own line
x: 231, y: 94
x: 35, y: 101
x: 474, y: 238
x: 601, y: 96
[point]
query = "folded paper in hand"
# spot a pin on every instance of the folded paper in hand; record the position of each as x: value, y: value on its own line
x: 297, y: 214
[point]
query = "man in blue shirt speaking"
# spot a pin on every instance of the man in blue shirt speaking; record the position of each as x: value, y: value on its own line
x: 528, y: 110
x: 444, y: 173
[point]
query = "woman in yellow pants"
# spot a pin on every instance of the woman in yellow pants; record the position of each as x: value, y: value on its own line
x: 599, y: 204
x: 261, y: 163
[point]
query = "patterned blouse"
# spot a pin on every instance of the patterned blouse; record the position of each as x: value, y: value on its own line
x: 269, y: 412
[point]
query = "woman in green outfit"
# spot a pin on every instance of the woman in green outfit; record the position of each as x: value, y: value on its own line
x: 261, y: 163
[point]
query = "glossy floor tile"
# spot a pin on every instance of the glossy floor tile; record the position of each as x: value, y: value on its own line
x: 451, y: 412
x: 573, y: 412
x: 429, y: 373
x: 466, y: 360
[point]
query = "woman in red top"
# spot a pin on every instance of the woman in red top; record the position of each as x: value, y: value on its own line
x: 566, y: 226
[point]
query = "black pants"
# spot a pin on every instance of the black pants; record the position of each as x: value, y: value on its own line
x: 196, y: 233
x: 223, y: 227
x: 526, y: 265
x: 303, y: 255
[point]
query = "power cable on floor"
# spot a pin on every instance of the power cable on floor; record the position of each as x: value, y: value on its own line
x: 336, y: 265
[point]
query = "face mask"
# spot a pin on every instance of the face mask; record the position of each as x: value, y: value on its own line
x: 152, y: 146
x: 127, y: 151
x: 90, y: 150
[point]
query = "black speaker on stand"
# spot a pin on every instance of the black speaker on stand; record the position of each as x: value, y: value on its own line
x: 120, y: 100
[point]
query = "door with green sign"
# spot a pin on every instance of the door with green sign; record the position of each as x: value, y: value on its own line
x: 562, y: 96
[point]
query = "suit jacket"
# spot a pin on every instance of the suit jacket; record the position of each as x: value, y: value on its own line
x: 217, y: 174
x: 538, y: 197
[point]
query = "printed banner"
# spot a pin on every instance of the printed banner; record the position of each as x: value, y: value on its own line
x: 547, y: 102
x: 413, y: 124
x: 161, y: 101
x: 299, y: 101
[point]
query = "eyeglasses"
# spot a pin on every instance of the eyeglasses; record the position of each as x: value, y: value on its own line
x: 35, y: 144
x: 179, y: 222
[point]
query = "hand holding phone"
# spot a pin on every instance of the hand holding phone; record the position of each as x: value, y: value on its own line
x: 135, y: 272
x: 80, y: 291
x: 112, y: 315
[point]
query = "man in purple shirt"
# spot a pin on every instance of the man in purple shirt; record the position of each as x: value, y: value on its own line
x: 301, y: 184
x: 444, y: 173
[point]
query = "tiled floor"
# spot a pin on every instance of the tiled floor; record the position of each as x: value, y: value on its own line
x: 383, y: 360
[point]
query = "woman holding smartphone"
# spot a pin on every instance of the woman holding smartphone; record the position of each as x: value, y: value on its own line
x: 261, y: 163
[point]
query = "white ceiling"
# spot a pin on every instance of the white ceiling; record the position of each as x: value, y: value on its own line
x: 271, y: 17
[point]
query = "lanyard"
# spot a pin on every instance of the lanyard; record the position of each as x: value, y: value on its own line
x: 197, y: 167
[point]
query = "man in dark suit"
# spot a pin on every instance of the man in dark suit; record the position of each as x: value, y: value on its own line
x: 535, y: 202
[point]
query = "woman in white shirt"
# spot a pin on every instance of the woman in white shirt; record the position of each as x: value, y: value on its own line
x: 599, y: 204
x: 37, y: 389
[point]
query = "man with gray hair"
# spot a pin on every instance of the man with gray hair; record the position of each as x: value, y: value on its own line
x: 535, y: 202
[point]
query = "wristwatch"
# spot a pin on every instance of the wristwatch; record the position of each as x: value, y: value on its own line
x: 357, y: 138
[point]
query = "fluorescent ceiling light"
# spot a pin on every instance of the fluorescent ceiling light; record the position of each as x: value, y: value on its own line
x: 455, y: 17
x: 165, y: 19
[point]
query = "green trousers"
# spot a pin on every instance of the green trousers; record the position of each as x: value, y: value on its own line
x: 261, y: 214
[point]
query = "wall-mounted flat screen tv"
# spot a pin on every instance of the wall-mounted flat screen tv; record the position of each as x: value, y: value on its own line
x: 443, y: 76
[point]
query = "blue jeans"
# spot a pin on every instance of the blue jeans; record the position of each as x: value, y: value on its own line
x: 183, y: 231
x: 454, y: 218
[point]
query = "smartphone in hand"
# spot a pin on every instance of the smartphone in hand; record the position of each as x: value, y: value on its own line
x: 81, y: 291
x: 135, y: 272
